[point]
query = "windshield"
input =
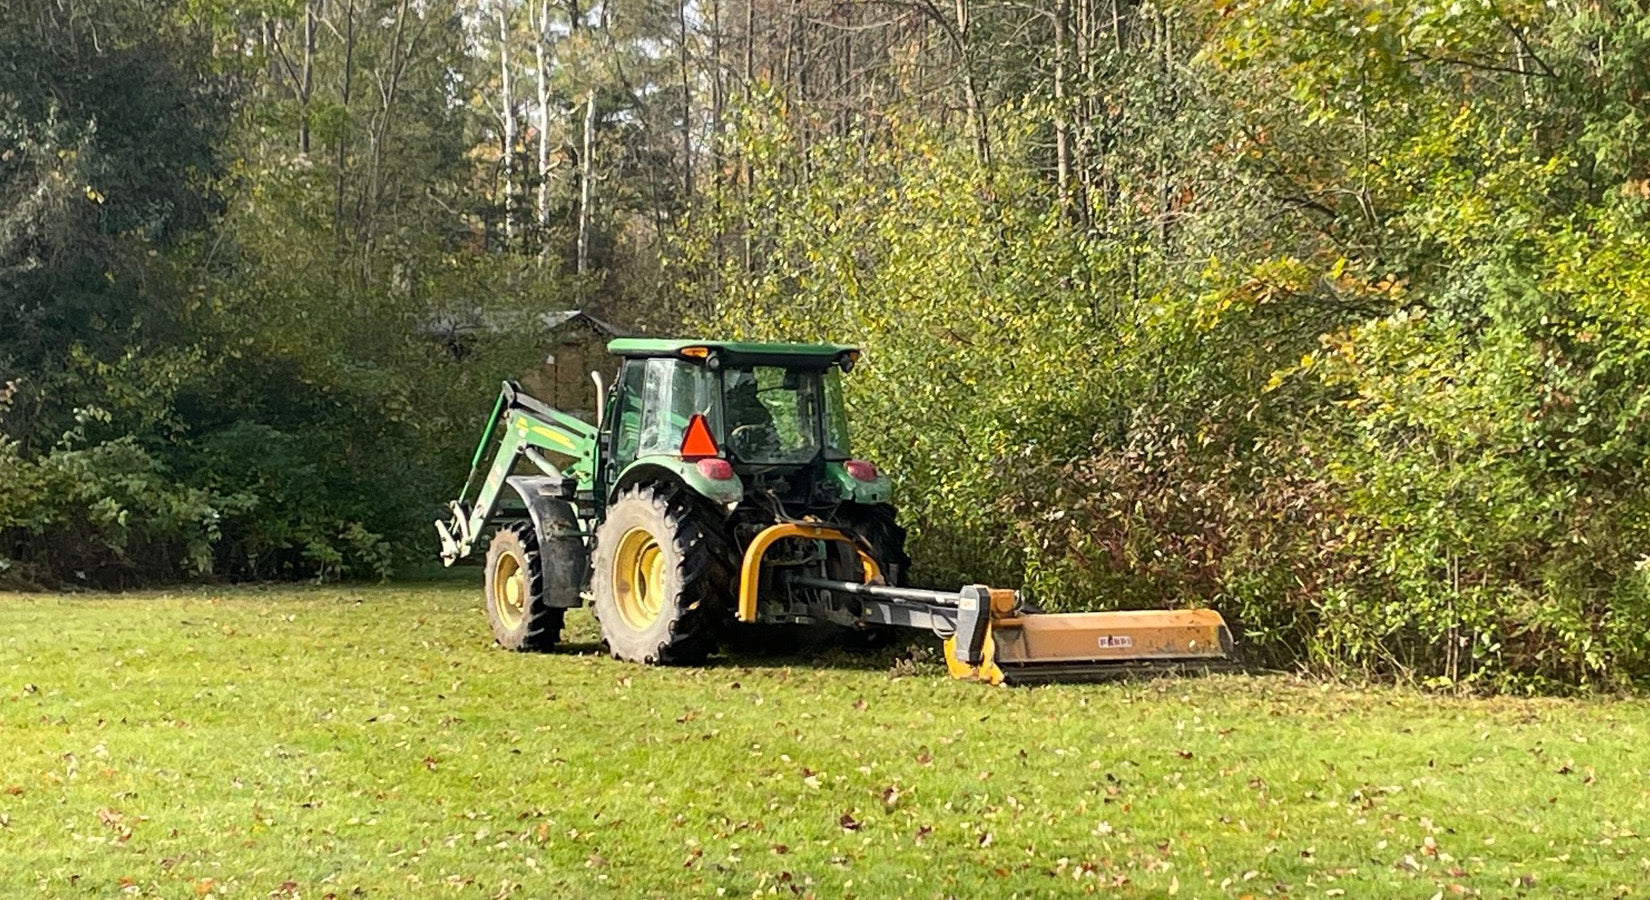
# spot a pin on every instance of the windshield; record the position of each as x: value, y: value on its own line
x: 772, y: 414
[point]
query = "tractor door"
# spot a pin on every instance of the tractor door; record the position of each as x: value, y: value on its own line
x: 654, y: 401
x: 627, y: 415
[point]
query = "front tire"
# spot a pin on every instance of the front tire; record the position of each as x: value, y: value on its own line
x: 516, y: 605
x: 657, y: 579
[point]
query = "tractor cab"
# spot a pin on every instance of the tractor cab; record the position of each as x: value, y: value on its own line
x: 745, y: 414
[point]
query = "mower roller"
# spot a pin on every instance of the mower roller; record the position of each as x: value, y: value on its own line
x: 716, y: 492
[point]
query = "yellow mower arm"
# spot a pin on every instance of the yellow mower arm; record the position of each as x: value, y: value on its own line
x: 990, y: 636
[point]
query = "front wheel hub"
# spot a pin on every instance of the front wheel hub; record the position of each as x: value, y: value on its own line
x: 511, y: 587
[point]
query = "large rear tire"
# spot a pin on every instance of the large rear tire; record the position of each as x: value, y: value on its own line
x: 516, y: 605
x: 878, y: 526
x: 658, y: 577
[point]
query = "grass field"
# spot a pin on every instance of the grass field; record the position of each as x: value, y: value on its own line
x: 351, y: 742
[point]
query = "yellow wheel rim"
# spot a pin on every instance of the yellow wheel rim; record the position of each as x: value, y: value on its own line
x: 639, y: 578
x: 509, y: 591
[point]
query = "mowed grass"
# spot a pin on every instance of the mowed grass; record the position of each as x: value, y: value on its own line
x: 371, y: 742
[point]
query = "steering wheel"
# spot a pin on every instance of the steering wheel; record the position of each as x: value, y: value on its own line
x: 751, y: 437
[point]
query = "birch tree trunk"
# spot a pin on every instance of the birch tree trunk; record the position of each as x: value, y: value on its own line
x: 716, y: 101
x: 687, y: 102
x: 339, y: 231
x: 744, y: 159
x: 306, y: 79
x: 543, y: 205
x: 971, y: 91
x: 1062, y: 120
x: 507, y: 113
x: 586, y: 178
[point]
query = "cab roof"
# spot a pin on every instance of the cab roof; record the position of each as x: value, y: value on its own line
x: 735, y: 352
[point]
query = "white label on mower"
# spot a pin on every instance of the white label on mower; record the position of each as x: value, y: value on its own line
x: 1116, y: 641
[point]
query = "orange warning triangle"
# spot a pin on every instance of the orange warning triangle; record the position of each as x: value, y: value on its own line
x: 697, y: 443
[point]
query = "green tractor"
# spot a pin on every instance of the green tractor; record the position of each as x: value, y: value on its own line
x: 717, y: 491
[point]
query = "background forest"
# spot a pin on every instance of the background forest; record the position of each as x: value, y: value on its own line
x: 1333, y: 315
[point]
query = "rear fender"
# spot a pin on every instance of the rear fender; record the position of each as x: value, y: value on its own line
x: 652, y: 469
x: 848, y: 487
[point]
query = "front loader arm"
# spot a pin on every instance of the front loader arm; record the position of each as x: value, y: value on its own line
x: 520, y: 426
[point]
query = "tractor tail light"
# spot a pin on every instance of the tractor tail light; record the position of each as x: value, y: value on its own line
x: 861, y: 470
x: 716, y: 469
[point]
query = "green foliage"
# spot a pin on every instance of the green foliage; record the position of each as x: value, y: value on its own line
x: 1371, y: 380
x: 218, y: 361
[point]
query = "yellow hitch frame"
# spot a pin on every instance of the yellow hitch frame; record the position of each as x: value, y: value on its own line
x: 750, y: 570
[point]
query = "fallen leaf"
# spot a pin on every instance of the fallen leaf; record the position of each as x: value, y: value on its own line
x: 848, y: 822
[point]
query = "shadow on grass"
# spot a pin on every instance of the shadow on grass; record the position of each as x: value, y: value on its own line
x: 897, y: 653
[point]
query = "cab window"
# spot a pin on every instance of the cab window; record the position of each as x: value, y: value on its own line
x: 772, y: 413
x: 674, y: 392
